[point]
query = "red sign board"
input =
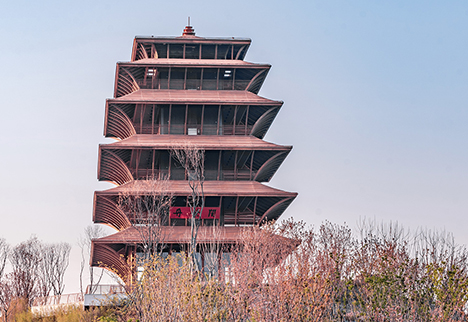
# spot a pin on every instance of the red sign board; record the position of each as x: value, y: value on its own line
x: 184, y: 213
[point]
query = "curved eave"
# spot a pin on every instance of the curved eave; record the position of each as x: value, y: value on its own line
x: 275, y: 211
x: 105, y: 256
x: 263, y: 123
x: 269, y: 168
x: 111, y: 167
x: 107, y: 212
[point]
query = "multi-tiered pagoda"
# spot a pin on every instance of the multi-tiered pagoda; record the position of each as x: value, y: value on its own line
x: 201, y: 91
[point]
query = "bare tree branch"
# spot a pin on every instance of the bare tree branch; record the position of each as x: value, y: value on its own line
x: 192, y: 160
x: 25, y: 259
x: 95, y: 274
x: 4, y: 251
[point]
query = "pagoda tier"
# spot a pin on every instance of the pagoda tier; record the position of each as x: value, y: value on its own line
x: 240, y: 202
x: 112, y: 251
x: 194, y: 74
x: 226, y: 158
x: 176, y: 111
x: 190, y: 48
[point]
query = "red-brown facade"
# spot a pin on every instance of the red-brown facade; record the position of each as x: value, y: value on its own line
x: 197, y: 91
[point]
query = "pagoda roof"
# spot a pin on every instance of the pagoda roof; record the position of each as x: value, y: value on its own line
x: 175, y: 235
x: 195, y: 39
x: 193, y: 63
x: 207, y: 142
x: 172, y: 96
x: 210, y: 188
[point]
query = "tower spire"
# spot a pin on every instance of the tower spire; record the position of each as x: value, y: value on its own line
x: 188, y: 31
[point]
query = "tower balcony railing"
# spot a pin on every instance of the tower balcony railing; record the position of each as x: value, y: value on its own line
x: 179, y: 174
x: 240, y: 218
x: 143, y: 174
x: 194, y: 129
x: 194, y: 84
x: 105, y: 289
x: 58, y: 299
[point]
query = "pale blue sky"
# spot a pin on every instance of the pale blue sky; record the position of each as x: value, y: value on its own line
x: 375, y: 93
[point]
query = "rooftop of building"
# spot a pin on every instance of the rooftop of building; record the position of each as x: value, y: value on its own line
x: 188, y: 34
x: 193, y: 39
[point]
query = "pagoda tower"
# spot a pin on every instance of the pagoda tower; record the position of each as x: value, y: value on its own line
x: 200, y: 91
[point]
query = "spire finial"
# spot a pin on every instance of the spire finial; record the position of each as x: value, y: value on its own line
x: 188, y: 31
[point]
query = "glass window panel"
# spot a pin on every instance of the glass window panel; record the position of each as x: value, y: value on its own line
x: 177, y: 171
x: 176, y: 51
x: 211, y: 168
x: 180, y: 201
x: 227, y: 116
x: 163, y: 76
x: 177, y: 78
x: 236, y: 51
x: 224, y: 52
x: 192, y: 51
x: 210, y: 120
x: 225, y: 78
x: 194, y: 114
x: 177, y: 119
x: 208, y: 51
x: 240, y: 115
x: 228, y: 158
x: 210, y: 76
x: 161, y: 49
x: 193, y: 78
x: 164, y: 119
x: 212, y: 201
x: 162, y: 159
x: 147, y: 119
x: 243, y: 78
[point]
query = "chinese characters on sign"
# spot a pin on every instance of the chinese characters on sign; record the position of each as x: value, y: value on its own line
x: 184, y: 213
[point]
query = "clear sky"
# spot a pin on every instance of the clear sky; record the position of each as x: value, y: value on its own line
x: 375, y: 93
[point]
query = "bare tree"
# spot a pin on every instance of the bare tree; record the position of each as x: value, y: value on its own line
x: 147, y: 204
x: 54, y: 263
x: 6, y: 296
x: 95, y: 274
x: 25, y: 259
x: 4, y: 251
x: 192, y: 160
x: 213, y: 264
